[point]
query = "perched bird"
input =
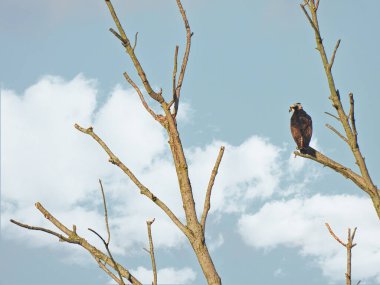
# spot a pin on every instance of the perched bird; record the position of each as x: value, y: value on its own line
x: 301, y: 127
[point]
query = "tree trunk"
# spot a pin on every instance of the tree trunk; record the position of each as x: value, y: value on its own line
x: 206, y: 262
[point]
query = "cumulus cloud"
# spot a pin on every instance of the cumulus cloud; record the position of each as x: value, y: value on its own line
x: 167, y: 275
x: 299, y: 223
x: 45, y: 158
x: 215, y: 242
x: 249, y: 170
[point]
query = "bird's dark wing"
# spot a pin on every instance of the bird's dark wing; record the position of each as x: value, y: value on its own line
x: 295, y: 129
x: 306, y: 127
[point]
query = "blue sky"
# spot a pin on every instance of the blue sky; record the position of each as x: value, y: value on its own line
x: 249, y: 61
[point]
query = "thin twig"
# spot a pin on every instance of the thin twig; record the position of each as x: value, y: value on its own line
x: 207, y: 203
x: 335, y: 117
x: 110, y: 255
x: 151, y: 251
x: 61, y: 237
x: 116, y: 34
x: 175, y: 99
x: 352, y: 118
x: 316, y: 5
x: 334, y: 235
x: 134, y: 45
x: 186, y: 54
x: 105, y: 212
x: 334, y: 53
x: 123, y: 37
x: 309, y: 19
x: 353, y: 234
x: 337, y: 133
x: 73, y: 237
x: 105, y: 269
x: 117, y: 22
x: 143, y: 190
x: 142, y: 99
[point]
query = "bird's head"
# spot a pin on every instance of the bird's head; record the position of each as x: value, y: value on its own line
x: 295, y: 107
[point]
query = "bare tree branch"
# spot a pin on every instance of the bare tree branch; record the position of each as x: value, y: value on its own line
x: 73, y: 237
x: 134, y: 45
x: 352, y: 118
x: 335, y: 117
x: 146, y: 106
x: 326, y: 161
x: 106, y: 270
x: 333, y: 55
x: 61, y: 237
x: 308, y: 17
x: 105, y: 212
x: 207, y: 204
x: 116, y: 34
x: 175, y: 98
x: 349, y: 245
x: 143, y: 190
x: 151, y: 251
x: 185, y: 56
x: 123, y: 37
x: 337, y: 133
x: 364, y: 181
x: 335, y: 236
x: 317, y: 5
x: 106, y: 244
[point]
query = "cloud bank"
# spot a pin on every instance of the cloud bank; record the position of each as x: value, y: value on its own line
x: 299, y: 223
x: 44, y: 158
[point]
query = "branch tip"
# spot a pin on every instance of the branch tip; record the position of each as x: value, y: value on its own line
x: 207, y: 202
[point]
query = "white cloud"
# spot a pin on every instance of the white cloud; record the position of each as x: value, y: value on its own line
x: 167, y: 275
x: 215, y: 242
x: 247, y: 171
x: 45, y: 158
x: 299, y: 223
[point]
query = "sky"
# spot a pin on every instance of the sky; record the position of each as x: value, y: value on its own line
x: 249, y: 61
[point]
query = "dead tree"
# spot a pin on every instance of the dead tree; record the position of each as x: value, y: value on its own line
x: 194, y: 227
x: 349, y: 245
x: 347, y: 120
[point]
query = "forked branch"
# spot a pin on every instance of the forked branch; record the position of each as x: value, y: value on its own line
x: 106, y: 243
x: 122, y: 36
x: 315, y: 155
x: 363, y: 180
x: 73, y: 237
x: 348, y: 245
x: 185, y: 56
x: 151, y: 250
x: 143, y: 190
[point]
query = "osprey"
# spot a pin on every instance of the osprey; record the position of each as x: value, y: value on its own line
x: 301, y: 127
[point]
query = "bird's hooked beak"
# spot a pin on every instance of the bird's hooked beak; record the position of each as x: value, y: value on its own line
x: 291, y: 108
